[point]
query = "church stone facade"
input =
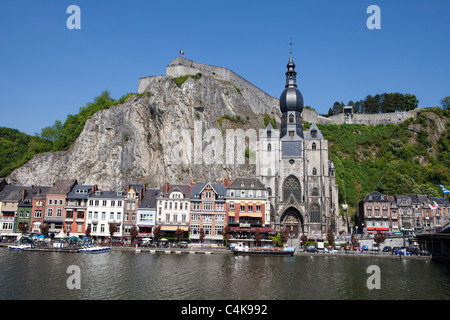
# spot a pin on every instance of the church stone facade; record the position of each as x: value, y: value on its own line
x: 296, y: 168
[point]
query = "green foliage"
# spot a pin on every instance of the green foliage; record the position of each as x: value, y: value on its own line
x: 64, y: 135
x: 268, y: 119
x: 380, y: 103
x: 180, y: 80
x: 390, y: 158
x: 235, y: 118
x: 17, y: 148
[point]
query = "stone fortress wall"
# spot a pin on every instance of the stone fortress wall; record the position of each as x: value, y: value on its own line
x: 262, y: 102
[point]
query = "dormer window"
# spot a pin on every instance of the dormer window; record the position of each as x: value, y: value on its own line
x: 313, y: 133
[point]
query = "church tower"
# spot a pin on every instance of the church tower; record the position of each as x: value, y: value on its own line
x: 295, y: 166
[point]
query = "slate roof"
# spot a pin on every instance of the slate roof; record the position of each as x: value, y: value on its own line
x: 219, y: 189
x: 62, y: 186
x: 307, y: 134
x: 149, y: 199
x: 80, y: 192
x: 34, y: 191
x: 183, y: 188
x: 101, y: 194
x: 12, y: 193
x: 375, y: 197
x: 247, y: 184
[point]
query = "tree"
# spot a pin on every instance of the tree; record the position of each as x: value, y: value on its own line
x: 330, y: 237
x: 445, y: 102
x: 411, y: 102
x: 226, y: 235
x: 304, y: 238
x: 379, y: 238
x: 258, y: 237
x: 157, y: 233
x: 54, y: 132
x: 284, y: 235
x: 112, y: 230
x: 201, y: 235
x: 179, y: 234
x: 87, y: 232
x: 134, y: 233
x: 44, y: 229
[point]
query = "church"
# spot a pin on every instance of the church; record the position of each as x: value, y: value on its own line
x: 297, y: 170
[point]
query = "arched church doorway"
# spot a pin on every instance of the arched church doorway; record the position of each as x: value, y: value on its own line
x: 292, y: 220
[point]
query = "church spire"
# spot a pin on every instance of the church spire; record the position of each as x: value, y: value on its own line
x: 291, y: 75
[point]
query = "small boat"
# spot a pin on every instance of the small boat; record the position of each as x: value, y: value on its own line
x: 19, y: 246
x: 241, y: 249
x: 93, y: 249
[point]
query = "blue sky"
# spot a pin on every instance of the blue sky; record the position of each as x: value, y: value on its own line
x: 48, y: 71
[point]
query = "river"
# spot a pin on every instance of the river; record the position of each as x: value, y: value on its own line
x: 155, y: 276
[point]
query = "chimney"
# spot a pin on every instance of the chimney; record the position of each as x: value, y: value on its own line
x: 226, y: 182
x: 167, y: 187
x: 24, y: 192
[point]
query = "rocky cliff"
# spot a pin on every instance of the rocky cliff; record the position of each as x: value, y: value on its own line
x: 134, y: 143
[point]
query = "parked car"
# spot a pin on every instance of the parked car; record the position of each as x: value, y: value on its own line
x: 347, y: 247
x: 414, y: 250
x: 387, y: 249
x: 423, y: 253
x: 311, y: 249
x: 395, y: 249
x: 337, y: 247
x: 356, y: 247
x: 365, y: 247
x: 403, y: 251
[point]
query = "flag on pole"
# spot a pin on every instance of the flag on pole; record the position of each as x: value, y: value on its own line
x: 444, y: 189
x: 182, y: 52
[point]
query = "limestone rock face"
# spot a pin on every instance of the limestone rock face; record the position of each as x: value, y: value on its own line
x: 134, y: 142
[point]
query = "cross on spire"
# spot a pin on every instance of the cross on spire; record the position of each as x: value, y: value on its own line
x: 290, y: 44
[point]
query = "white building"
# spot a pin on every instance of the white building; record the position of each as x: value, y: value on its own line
x: 173, y: 202
x: 103, y: 208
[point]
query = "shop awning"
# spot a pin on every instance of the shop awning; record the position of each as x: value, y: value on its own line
x: 377, y: 228
x: 250, y: 214
x: 253, y: 229
x: 173, y: 228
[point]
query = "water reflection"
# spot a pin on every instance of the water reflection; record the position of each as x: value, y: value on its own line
x: 129, y: 275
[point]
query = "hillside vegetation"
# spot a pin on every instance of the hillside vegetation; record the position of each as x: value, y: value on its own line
x: 16, y: 148
x: 412, y: 157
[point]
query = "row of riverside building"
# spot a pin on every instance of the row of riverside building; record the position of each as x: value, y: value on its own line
x: 200, y: 208
x: 401, y: 213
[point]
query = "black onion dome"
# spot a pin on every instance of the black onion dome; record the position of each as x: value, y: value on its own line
x: 291, y: 100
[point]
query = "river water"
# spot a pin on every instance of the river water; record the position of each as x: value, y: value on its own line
x: 156, y: 276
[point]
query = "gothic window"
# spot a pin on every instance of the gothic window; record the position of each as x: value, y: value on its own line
x: 314, y: 171
x: 291, y: 118
x: 314, y: 146
x: 315, y: 213
x: 292, y: 186
x: 269, y: 147
x: 315, y: 192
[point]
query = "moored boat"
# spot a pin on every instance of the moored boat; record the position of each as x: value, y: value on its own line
x: 19, y: 247
x: 93, y: 249
x: 241, y: 249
